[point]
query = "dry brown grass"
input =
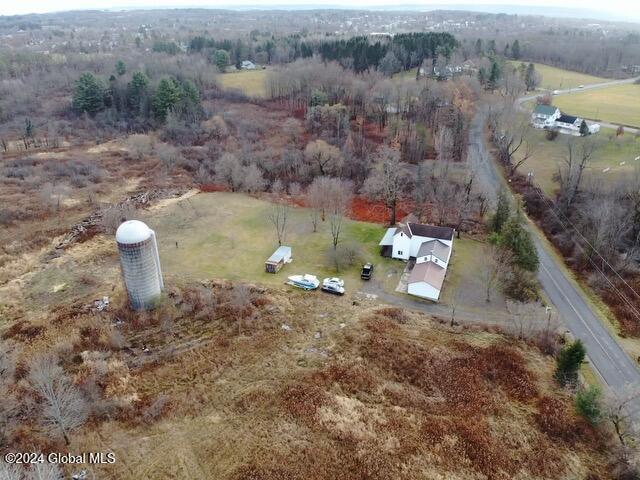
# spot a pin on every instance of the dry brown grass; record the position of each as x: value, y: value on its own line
x: 394, y: 396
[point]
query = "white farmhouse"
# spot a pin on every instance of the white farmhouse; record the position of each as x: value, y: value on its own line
x: 429, y: 247
x: 545, y: 116
x: 568, y: 124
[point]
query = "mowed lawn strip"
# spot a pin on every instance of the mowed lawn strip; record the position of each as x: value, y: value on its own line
x: 619, y: 104
x: 252, y: 83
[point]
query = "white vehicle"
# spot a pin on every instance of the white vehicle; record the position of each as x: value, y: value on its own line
x: 580, y: 86
x: 306, y: 281
x: 333, y: 285
x: 556, y: 92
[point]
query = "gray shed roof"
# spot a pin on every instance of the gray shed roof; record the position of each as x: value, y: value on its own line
x: 279, y: 254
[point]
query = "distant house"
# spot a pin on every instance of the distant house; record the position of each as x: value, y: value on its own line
x: 429, y: 247
x: 544, y: 116
x: 277, y: 260
x: 247, y: 65
x: 568, y: 124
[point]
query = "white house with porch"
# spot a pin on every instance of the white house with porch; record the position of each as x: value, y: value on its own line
x: 544, y: 116
x: 428, y: 248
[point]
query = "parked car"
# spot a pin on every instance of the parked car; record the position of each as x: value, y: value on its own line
x: 580, y: 86
x: 367, y: 271
x: 333, y: 285
x: 556, y: 92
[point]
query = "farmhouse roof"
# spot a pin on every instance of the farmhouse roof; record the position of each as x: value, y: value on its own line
x: 439, y: 249
x: 541, y: 109
x: 431, y: 231
x: 428, y: 272
x: 567, y: 119
x: 388, y: 237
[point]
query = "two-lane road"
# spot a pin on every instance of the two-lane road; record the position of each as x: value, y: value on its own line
x: 610, y: 361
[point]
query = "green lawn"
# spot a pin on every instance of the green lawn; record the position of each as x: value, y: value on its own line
x: 250, y: 82
x: 229, y: 235
x: 610, y: 152
x: 618, y: 104
x: 553, y: 78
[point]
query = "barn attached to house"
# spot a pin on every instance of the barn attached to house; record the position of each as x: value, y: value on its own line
x: 277, y: 260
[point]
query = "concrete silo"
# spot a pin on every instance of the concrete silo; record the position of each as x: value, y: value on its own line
x: 140, y: 264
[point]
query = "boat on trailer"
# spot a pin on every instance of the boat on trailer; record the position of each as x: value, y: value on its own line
x: 306, y: 281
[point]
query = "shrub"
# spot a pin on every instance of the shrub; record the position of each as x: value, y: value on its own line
x: 522, y: 286
x: 587, y: 403
x: 568, y: 363
x: 139, y: 145
x: 551, y: 135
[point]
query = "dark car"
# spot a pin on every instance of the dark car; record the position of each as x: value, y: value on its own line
x: 367, y: 271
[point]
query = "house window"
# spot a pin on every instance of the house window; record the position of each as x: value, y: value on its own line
x: 399, y: 252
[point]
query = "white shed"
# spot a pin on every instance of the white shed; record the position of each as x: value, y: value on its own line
x: 277, y: 260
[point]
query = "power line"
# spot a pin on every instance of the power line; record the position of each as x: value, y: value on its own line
x: 620, y: 294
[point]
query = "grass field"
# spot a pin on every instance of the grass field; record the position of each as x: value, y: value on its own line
x: 610, y: 152
x: 250, y: 82
x: 619, y: 104
x: 554, y: 78
x: 226, y: 235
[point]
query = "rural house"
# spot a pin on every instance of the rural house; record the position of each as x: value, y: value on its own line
x: 247, y: 65
x: 428, y: 248
x: 544, y: 116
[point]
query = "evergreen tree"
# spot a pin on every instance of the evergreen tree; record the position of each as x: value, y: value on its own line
x: 515, y: 50
x: 221, y: 59
x: 482, y: 76
x: 495, y: 75
x: 506, y: 50
x: 517, y: 238
x: 167, y: 97
x: 479, y: 47
x: 568, y: 363
x: 502, y: 212
x: 584, y: 128
x: 587, y: 403
x: 531, y: 78
x: 491, y: 47
x: 137, y: 91
x: 121, y: 68
x: 89, y: 94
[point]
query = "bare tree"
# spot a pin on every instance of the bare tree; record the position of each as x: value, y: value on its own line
x: 323, y: 157
x: 340, y: 195
x: 241, y: 300
x: 63, y: 406
x: 570, y: 175
x: 278, y: 217
x: 495, y: 266
x: 620, y: 410
x: 388, y: 180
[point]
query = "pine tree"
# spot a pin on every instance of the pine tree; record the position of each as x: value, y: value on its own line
x: 531, y: 79
x: 137, y: 92
x: 568, y: 363
x: 502, y: 212
x: 221, y: 59
x: 515, y: 50
x: 121, y: 68
x: 518, y: 239
x: 89, y: 94
x: 167, y: 96
x: 584, y: 128
x: 494, y: 76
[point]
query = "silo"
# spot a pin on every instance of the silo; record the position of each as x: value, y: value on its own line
x: 140, y: 264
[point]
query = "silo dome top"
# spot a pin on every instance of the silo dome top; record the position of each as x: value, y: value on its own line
x: 132, y: 231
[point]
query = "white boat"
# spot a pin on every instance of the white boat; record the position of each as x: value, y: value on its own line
x: 306, y: 281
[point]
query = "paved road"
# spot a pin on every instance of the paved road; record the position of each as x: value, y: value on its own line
x: 609, y: 360
x: 593, y: 86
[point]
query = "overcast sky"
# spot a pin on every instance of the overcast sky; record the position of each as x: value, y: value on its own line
x: 623, y: 8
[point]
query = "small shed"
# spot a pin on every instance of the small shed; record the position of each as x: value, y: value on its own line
x: 275, y: 262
